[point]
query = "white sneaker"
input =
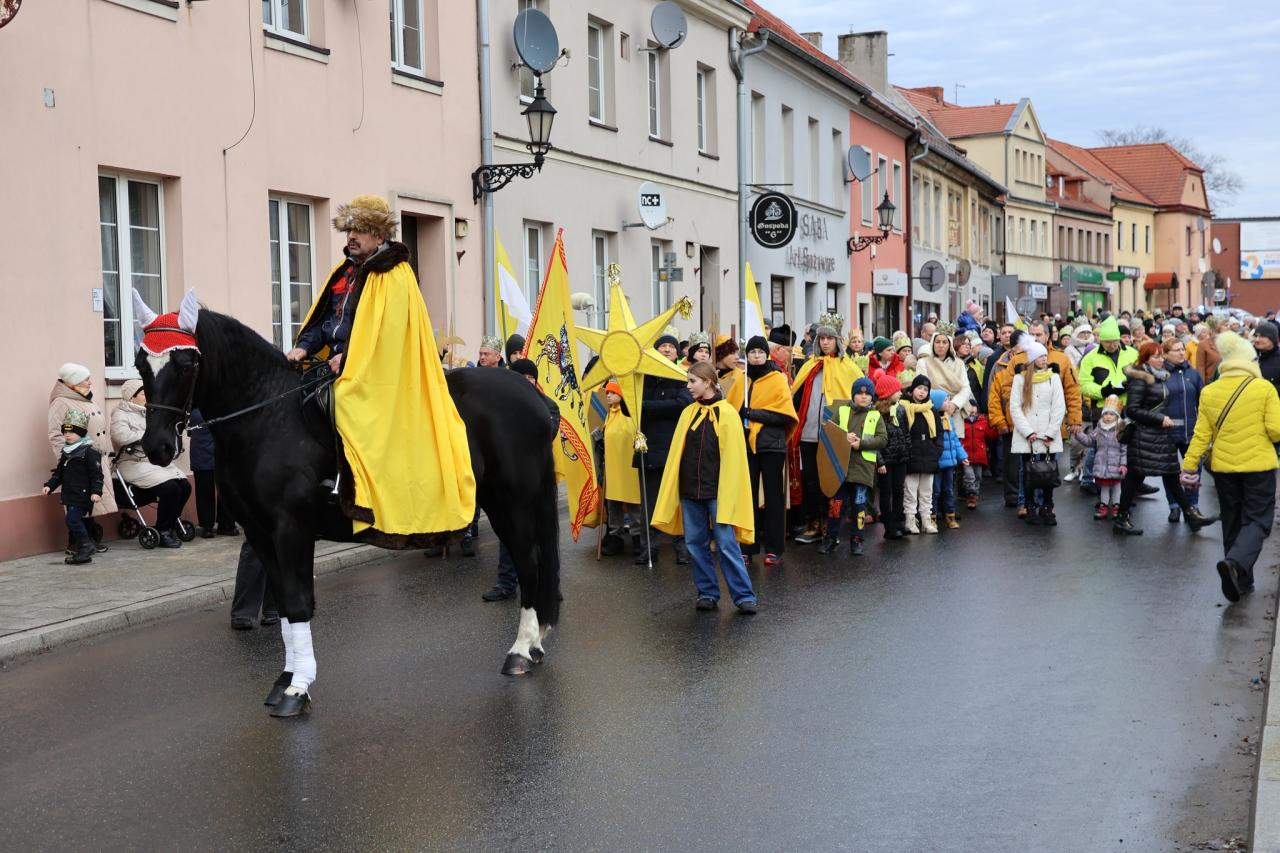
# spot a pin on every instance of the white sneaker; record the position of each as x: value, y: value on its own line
x: 913, y: 524
x: 929, y: 526
x: 1070, y: 476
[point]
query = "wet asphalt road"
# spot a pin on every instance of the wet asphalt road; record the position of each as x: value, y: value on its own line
x: 1080, y: 693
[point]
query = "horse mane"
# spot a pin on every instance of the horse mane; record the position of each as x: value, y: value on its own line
x: 233, y: 352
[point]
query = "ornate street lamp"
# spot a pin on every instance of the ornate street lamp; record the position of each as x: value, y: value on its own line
x: 884, y: 212
x: 540, y: 115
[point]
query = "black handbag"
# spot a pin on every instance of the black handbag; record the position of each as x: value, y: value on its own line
x: 1041, y: 472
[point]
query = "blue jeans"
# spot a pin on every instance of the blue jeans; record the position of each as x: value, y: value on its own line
x: 1193, y: 497
x: 507, y: 578
x: 944, y: 490
x: 1029, y: 498
x: 699, y: 527
x: 1086, y: 474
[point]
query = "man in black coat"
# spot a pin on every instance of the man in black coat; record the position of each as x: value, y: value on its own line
x: 1266, y: 340
x: 663, y: 402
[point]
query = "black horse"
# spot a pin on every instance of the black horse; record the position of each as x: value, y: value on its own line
x: 272, y: 461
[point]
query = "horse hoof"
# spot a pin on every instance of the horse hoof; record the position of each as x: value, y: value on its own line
x: 517, y: 665
x: 282, y: 682
x: 292, y: 705
x: 536, y: 655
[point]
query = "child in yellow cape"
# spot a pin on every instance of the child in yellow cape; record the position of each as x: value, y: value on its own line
x: 706, y: 493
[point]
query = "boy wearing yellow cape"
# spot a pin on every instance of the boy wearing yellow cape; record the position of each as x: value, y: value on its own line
x: 705, y: 492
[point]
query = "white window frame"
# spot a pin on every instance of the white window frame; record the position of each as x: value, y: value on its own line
x: 532, y: 275
x: 275, y: 26
x: 661, y: 290
x: 595, y: 41
x: 701, y: 94
x: 124, y: 274
x: 288, y: 329
x: 600, y: 273
x: 398, y: 59
x: 897, y: 196
x: 653, y: 76
x: 868, y: 193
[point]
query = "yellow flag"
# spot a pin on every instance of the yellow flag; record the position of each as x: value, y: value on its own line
x: 755, y: 316
x: 512, y: 308
x: 553, y: 346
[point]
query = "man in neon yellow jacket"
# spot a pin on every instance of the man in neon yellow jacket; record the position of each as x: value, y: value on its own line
x: 1101, y: 374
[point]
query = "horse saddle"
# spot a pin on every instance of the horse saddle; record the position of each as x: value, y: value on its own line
x: 319, y: 378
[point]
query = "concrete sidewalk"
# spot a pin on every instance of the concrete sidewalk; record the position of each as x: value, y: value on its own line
x: 1265, y: 834
x: 45, y: 603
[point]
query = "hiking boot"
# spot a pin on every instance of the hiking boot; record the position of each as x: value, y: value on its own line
x: 1175, y: 515
x: 809, y: 535
x: 855, y: 546
x: 1229, y: 572
x: 1122, y: 524
x: 930, y: 526
x: 952, y: 524
x: 169, y: 539
x: 1197, y: 520
x: 1101, y: 511
x: 82, y: 553
x: 1047, y: 518
x: 971, y: 502
x: 828, y: 546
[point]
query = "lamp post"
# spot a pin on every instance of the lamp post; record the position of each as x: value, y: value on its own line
x: 884, y: 212
x: 540, y: 115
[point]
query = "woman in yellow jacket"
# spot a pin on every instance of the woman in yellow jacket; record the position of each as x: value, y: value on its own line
x: 705, y: 492
x: 1242, y: 458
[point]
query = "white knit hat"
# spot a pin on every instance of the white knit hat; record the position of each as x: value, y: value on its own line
x: 1034, y: 349
x: 72, y: 373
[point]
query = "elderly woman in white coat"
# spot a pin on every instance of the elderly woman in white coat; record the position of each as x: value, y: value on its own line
x: 74, y: 390
x: 948, y: 372
x: 167, y: 485
x: 1039, y: 408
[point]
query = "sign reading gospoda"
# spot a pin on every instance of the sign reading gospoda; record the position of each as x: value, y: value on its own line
x: 773, y: 220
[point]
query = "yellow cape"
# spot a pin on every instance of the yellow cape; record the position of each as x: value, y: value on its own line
x: 621, y: 478
x: 733, y: 384
x: 838, y: 375
x: 733, y: 492
x: 770, y: 392
x: 404, y: 440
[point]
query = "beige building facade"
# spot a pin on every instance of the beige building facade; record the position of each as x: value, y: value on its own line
x: 167, y: 146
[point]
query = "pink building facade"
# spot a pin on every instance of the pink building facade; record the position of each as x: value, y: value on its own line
x: 170, y: 146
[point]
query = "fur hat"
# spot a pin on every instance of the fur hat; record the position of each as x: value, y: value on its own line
x: 863, y: 385
x: 492, y: 342
x: 525, y: 367
x: 725, y: 346
x: 130, y: 389
x: 369, y: 214
x: 1235, y: 348
x: 76, y: 421
x: 72, y: 373
x: 758, y: 342
x: 782, y: 336
x: 887, y: 386
x: 1112, y: 405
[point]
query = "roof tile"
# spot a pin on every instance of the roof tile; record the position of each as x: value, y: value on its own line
x: 1156, y: 169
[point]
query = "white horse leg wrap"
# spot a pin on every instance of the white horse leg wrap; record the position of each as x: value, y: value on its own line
x: 304, y: 660
x: 286, y: 632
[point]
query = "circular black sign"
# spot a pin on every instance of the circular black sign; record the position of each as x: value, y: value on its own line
x: 773, y: 220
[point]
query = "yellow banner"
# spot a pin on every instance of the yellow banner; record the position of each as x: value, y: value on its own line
x: 553, y: 346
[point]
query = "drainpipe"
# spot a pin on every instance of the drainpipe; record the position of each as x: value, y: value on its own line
x: 486, y: 157
x: 909, y: 212
x: 737, y: 60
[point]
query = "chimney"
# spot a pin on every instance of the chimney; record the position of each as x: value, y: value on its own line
x: 866, y: 56
x: 814, y: 39
x: 934, y: 92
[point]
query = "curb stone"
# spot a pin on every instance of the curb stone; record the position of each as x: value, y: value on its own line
x: 36, y: 640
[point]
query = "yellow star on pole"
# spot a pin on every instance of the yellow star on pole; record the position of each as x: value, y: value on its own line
x: 626, y: 349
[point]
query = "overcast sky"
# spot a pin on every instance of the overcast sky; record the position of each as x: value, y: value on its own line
x: 1195, y: 69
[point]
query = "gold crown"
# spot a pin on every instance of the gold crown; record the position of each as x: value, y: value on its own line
x: 831, y: 319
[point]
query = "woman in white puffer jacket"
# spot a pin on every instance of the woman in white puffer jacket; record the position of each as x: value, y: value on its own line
x: 165, y: 484
x: 1038, y: 411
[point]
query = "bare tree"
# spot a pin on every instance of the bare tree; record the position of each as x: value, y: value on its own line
x: 1221, y: 183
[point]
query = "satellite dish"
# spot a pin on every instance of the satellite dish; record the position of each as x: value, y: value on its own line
x: 963, y: 271
x: 933, y: 276
x: 1217, y: 246
x: 653, y: 206
x: 9, y: 10
x: 1199, y: 223
x: 859, y: 163
x: 536, y: 41
x: 669, y: 24
x: 1204, y: 265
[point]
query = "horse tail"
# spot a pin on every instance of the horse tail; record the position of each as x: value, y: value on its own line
x: 547, y: 547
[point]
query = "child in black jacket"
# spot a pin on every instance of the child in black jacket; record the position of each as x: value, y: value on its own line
x: 79, y: 473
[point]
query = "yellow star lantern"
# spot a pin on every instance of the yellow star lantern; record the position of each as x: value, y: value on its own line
x: 626, y: 349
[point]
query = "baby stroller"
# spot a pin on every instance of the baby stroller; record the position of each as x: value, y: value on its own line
x: 136, y: 524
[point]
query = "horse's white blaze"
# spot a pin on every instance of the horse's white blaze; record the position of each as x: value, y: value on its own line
x: 157, y: 363
x: 304, y: 660
x: 527, y: 635
x: 286, y: 633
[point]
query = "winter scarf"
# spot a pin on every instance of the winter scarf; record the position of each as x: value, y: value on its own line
x: 926, y: 408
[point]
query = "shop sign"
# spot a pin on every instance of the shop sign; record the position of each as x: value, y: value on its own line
x: 1038, y: 291
x: 1082, y: 275
x: 803, y: 259
x: 773, y: 220
x: 1132, y: 272
x: 889, y: 282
